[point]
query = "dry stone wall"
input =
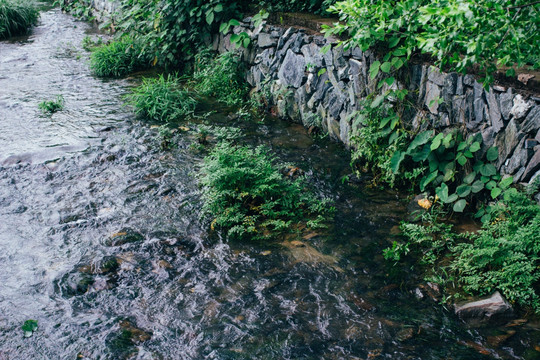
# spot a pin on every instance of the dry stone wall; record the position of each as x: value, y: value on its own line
x: 287, y: 64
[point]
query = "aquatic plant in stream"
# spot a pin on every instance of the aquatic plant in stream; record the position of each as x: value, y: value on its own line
x: 118, y: 58
x: 16, y: 17
x: 162, y: 99
x: 51, y: 106
x: 248, y: 197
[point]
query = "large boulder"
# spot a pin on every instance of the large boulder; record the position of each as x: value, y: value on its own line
x: 491, y: 308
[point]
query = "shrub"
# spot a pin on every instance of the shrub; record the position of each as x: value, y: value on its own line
x: 221, y: 77
x: 249, y: 198
x: 456, y: 33
x: 162, y: 99
x: 16, y: 17
x: 504, y: 255
x: 118, y: 58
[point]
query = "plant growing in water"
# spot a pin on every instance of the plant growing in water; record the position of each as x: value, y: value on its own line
x: 17, y: 17
x: 247, y: 196
x: 162, y: 99
x: 118, y: 58
x: 52, y: 106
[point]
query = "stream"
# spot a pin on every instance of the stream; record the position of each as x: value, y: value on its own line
x: 102, y: 242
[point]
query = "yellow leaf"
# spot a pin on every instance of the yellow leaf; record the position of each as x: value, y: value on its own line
x: 425, y: 203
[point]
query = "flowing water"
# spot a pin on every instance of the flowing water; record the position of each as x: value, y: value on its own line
x: 101, y: 240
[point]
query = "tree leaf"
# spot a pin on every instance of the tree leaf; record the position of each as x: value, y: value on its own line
x: 474, y: 147
x: 210, y: 17
x: 495, y: 192
x: 492, y: 154
x: 378, y: 101
x: 477, y: 186
x: 463, y: 190
x: 385, y: 67
x: 442, y: 192
x: 436, y: 143
x: 396, y: 160
x: 488, y: 170
x: 459, y: 206
x: 506, y: 182
x: 420, y: 139
x: 374, y: 69
x: 469, y: 178
x: 428, y: 179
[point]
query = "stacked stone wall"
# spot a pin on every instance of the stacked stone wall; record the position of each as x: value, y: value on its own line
x: 325, y: 89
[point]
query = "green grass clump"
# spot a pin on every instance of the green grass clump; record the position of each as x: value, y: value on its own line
x: 118, y: 58
x: 52, y: 106
x: 221, y: 77
x: 16, y: 17
x: 162, y: 99
x: 246, y: 195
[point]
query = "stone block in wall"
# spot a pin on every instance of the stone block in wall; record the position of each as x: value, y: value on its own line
x: 345, y: 128
x: 292, y: 71
x: 265, y: 40
x: 312, y: 54
x: 357, y: 76
x: 521, y: 107
x: 334, y: 128
x: 507, y: 141
x: 494, y: 111
x: 533, y: 166
x: 436, y: 76
x: 333, y: 102
x: 532, y: 121
x: 519, y: 159
x: 506, y: 101
x: 433, y: 93
x: 479, y: 103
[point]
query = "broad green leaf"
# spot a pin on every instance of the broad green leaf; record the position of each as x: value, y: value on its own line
x: 488, y: 170
x: 460, y: 205
x: 210, y: 18
x: 437, y: 141
x: 420, y: 139
x: 393, y: 42
x: 234, y: 22
x: 469, y: 178
x: 462, y: 160
x: 385, y: 67
x: 442, y: 192
x: 396, y: 160
x: 390, y: 81
x: 495, y: 192
x: 492, y: 154
x: 426, y: 180
x: 477, y: 186
x: 490, y: 185
x: 218, y: 8
x: 452, y: 198
x: 474, y: 147
x: 463, y: 190
x: 374, y: 69
x: 422, y: 155
x: 506, y: 182
x: 235, y: 38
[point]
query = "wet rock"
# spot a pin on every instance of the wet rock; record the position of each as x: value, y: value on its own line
x: 507, y: 141
x: 124, y: 236
x: 292, y: 71
x: 494, y: 111
x: 532, y: 122
x: 497, y: 340
x: 405, y: 334
x: 312, y: 54
x: 141, y: 187
x: 75, y: 283
x: 506, y: 101
x: 433, y: 93
x: 302, y: 252
x: 485, y: 309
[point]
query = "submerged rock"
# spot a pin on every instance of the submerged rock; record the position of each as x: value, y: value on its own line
x: 485, y: 309
x: 124, y: 236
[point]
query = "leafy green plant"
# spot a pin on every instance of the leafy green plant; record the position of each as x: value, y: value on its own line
x: 81, y: 9
x: 243, y: 39
x: 504, y: 255
x: 247, y: 196
x: 166, y: 136
x: 17, y: 17
x: 118, y: 58
x: 90, y: 43
x: 162, y: 99
x: 222, y: 77
x: 29, y: 327
x: 52, y: 106
x: 456, y: 33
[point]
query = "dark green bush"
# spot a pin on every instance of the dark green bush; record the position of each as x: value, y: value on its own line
x: 162, y: 99
x: 246, y: 195
x: 118, y: 58
x: 16, y: 17
x: 221, y: 77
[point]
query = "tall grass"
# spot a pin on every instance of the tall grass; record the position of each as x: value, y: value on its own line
x: 17, y: 17
x: 162, y: 99
x: 118, y: 58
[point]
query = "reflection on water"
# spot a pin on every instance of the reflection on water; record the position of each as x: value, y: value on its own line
x: 101, y: 241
